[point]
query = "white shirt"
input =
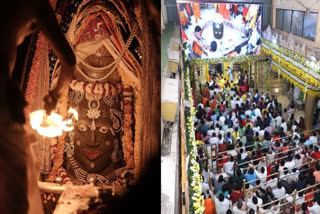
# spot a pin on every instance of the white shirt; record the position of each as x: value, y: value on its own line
x: 238, y: 102
x: 232, y: 153
x: 298, y: 162
x: 209, y: 123
x: 294, y: 127
x: 289, y: 177
x: 278, y: 120
x: 318, y: 104
x: 232, y: 93
x: 314, y: 139
x: 257, y: 111
x: 272, y: 183
x: 262, y: 176
x: 229, y: 130
x: 279, y: 193
x: 237, y: 211
x: 248, y: 112
x: 221, y: 121
x: 261, y: 133
x: 244, y: 155
x: 289, y: 198
x: 210, y: 132
x: 299, y: 200
x: 285, y: 127
x: 200, y: 104
x: 268, y: 211
x: 206, y: 176
x: 285, y: 177
x: 221, y: 141
x: 211, y: 93
x: 228, y: 167
x: 205, y: 188
x: 314, y: 209
x: 290, y: 164
x: 214, y: 141
x: 256, y: 129
x: 250, y: 204
x: 223, y: 206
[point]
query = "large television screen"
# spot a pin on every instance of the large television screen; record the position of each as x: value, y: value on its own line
x: 215, y: 30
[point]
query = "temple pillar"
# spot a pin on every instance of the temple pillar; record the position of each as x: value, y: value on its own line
x: 310, y: 105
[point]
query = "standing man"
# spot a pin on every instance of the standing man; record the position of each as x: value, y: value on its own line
x: 230, y: 74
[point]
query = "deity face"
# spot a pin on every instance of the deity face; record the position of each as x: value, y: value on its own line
x: 96, y: 141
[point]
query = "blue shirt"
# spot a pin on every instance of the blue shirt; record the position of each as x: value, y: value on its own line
x: 308, y: 142
x: 213, y: 117
x: 225, y: 194
x: 203, y: 129
x: 251, y: 177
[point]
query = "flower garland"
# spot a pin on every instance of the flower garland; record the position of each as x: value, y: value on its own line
x: 127, y: 137
x: 195, y: 180
x: 58, y: 144
x: 196, y: 62
x: 58, y: 158
x: 293, y: 55
x: 34, y: 72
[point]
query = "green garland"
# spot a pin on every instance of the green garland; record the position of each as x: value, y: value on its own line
x: 293, y: 55
x: 195, y: 181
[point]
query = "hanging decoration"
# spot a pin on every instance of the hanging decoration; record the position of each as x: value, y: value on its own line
x: 293, y: 67
x: 194, y: 178
x: 245, y: 58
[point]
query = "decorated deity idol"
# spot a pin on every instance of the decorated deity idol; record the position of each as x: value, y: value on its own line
x: 100, y: 148
x: 94, y: 148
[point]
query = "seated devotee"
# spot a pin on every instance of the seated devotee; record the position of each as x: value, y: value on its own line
x: 280, y: 191
x: 240, y: 208
x: 228, y: 167
x: 209, y: 206
x: 222, y: 204
x: 218, y: 184
x: 253, y: 202
x: 251, y: 176
x: 315, y: 208
x: 315, y: 154
x: 236, y: 194
x: 224, y: 190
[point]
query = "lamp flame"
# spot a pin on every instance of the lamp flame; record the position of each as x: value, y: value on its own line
x: 52, y: 125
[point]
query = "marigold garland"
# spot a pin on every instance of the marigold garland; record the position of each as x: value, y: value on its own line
x: 127, y: 138
x: 57, y: 162
x: 34, y: 72
x: 195, y: 181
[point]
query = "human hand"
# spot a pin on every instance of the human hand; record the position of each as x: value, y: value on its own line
x: 27, y: 17
x: 22, y: 19
x: 50, y: 102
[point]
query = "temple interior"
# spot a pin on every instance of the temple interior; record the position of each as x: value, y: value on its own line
x: 240, y: 106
